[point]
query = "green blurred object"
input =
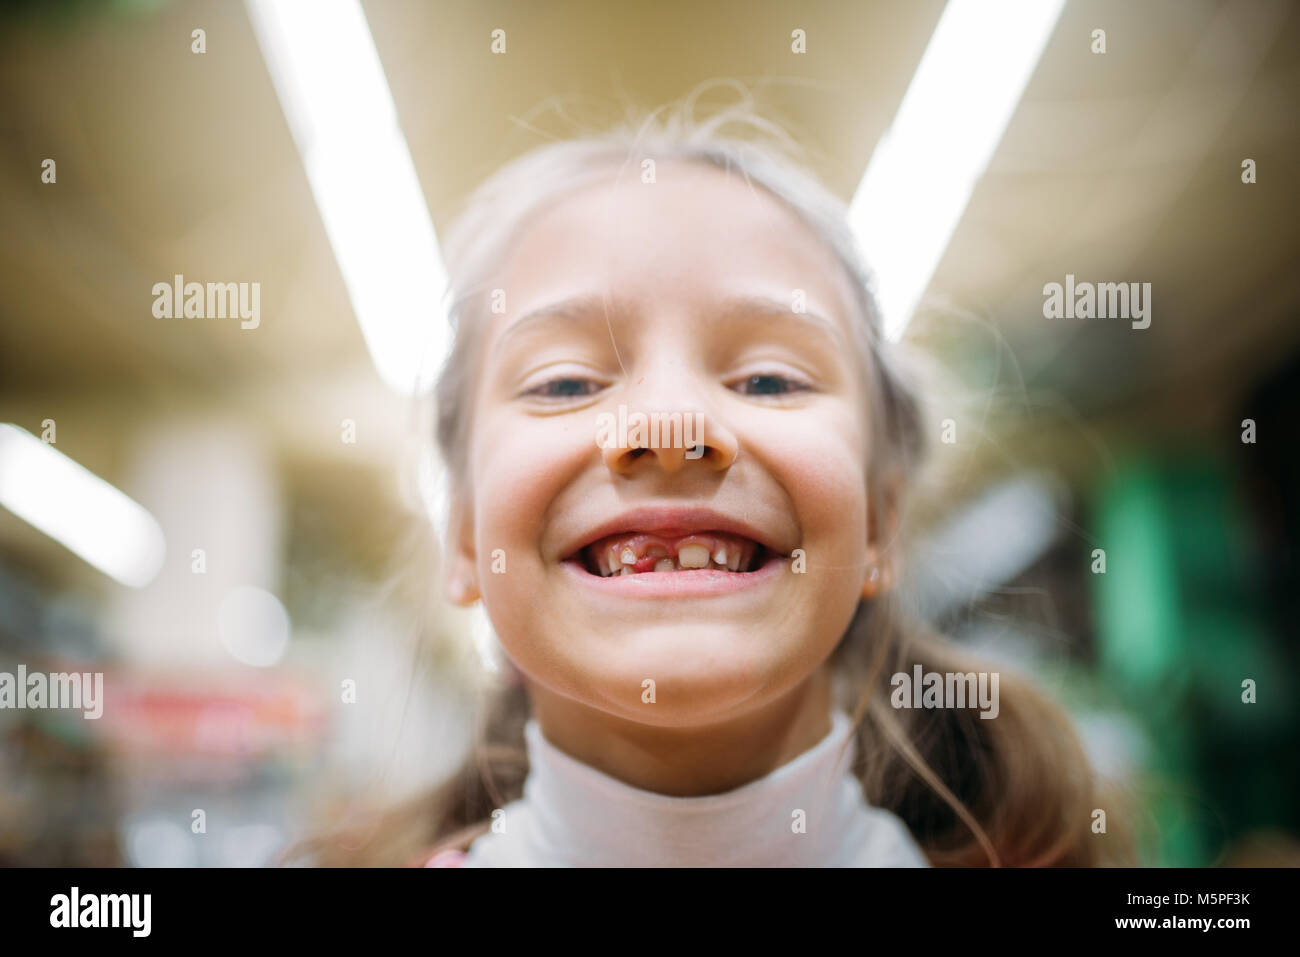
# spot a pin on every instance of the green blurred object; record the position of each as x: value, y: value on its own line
x: 1181, y: 624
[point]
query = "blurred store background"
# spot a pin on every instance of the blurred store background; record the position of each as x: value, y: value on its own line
x: 278, y: 462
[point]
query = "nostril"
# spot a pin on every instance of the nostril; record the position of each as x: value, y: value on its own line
x: 637, y: 453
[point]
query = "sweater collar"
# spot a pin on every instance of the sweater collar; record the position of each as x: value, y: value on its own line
x: 807, y: 812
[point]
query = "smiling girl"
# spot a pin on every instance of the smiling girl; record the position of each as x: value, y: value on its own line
x: 702, y: 638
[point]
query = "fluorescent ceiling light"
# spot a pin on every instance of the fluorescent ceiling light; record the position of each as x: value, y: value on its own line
x: 332, y: 87
x: 78, y: 509
x: 953, y: 115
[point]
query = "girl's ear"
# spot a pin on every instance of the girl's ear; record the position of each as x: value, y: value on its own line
x: 462, y: 576
x: 873, y: 580
x: 882, y: 528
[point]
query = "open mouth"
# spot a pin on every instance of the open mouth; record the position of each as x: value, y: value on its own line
x: 640, y: 553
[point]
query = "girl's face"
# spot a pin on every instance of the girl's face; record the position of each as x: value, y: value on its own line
x: 701, y: 298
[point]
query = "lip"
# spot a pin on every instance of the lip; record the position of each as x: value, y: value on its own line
x: 700, y: 582
x: 670, y: 522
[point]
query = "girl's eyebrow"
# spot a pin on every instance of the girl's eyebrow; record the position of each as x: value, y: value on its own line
x: 585, y: 307
x: 589, y: 307
x: 768, y: 307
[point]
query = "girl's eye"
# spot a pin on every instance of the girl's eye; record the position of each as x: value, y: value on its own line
x: 565, y: 387
x: 768, y: 384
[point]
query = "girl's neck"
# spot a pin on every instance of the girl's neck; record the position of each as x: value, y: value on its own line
x: 689, y: 762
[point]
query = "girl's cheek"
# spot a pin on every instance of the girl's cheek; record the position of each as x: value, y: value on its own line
x: 521, y: 465
x: 820, y: 458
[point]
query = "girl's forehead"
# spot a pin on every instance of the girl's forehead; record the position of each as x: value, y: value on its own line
x: 675, y: 197
x: 686, y: 224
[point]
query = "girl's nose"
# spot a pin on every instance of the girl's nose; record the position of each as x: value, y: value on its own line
x: 668, y: 439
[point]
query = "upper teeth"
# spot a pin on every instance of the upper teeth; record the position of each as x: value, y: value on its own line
x: 626, y: 554
x: 692, y: 556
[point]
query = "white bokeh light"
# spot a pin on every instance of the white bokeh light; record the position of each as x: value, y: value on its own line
x: 254, y: 626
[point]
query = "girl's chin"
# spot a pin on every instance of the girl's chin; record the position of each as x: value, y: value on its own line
x: 705, y: 661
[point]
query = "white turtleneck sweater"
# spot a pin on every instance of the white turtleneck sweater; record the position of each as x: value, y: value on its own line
x: 572, y: 815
